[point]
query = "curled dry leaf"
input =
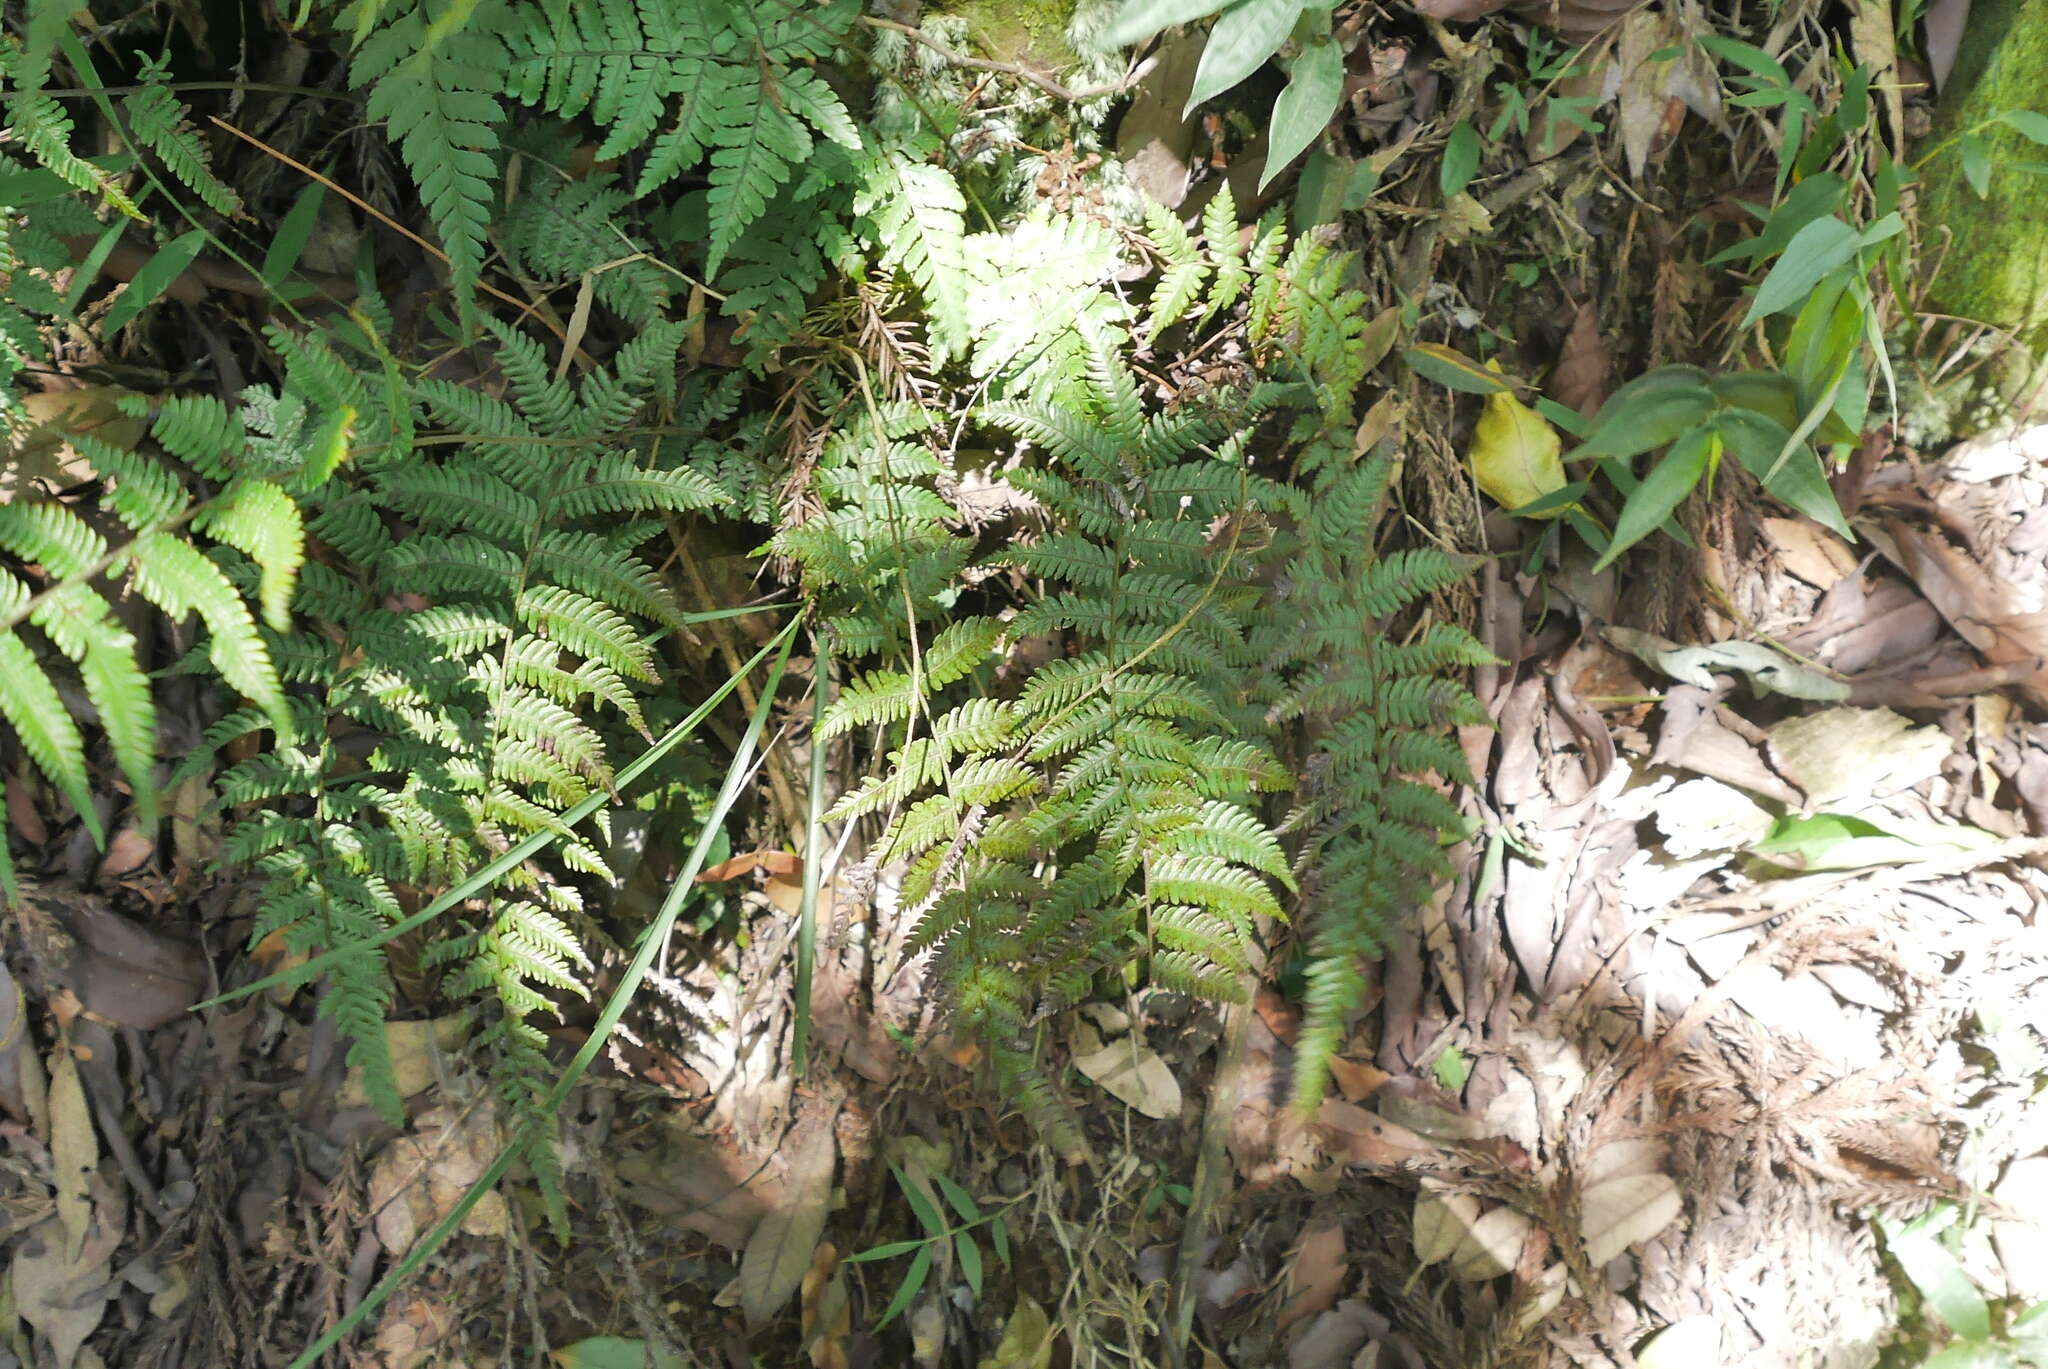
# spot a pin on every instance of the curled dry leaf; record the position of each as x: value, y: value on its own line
x: 1626, y: 1211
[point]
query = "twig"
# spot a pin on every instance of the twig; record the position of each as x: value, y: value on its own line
x: 1017, y: 69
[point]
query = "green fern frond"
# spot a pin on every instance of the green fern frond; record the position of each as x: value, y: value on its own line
x: 161, y: 123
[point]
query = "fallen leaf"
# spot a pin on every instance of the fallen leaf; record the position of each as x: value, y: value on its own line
x: 1492, y: 1246
x: 419, y: 1178
x: 1315, y: 1274
x: 63, y: 1297
x: 1440, y: 1223
x: 1365, y: 1138
x: 779, y: 1252
x: 1645, y: 82
x: 1133, y: 1073
x: 1027, y: 1341
x: 1515, y: 453
x: 1626, y: 1211
x: 1579, y: 380
x: 415, y: 1334
x: 1694, y: 1343
x: 774, y: 862
x: 1335, y: 1336
x: 74, y: 1148
x: 1356, y: 1081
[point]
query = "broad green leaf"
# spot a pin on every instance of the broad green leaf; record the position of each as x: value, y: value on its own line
x: 1751, y: 59
x: 1976, y: 155
x: 1143, y: 18
x: 970, y: 1260
x: 913, y: 1280
x: 1828, y: 327
x: 154, y: 278
x: 293, y: 231
x: 1771, y: 393
x: 1800, y: 483
x: 1949, y: 1291
x: 1814, y: 251
x: 2033, y: 126
x: 1812, y: 198
x: 1554, y: 503
x: 1674, y: 477
x: 1449, y: 367
x: 1515, y: 453
x: 1303, y: 110
x: 958, y: 1198
x: 1461, y: 160
x: 613, y: 1352
x: 886, y: 1250
x: 1636, y: 420
x: 1248, y: 33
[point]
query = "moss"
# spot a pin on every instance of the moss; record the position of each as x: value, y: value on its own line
x: 1994, y: 265
x: 1031, y: 32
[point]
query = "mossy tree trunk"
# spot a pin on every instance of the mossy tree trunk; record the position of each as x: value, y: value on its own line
x: 1994, y: 265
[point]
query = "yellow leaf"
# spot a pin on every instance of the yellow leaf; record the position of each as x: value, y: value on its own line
x: 1515, y: 454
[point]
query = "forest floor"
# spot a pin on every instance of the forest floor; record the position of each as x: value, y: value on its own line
x: 1743, y: 972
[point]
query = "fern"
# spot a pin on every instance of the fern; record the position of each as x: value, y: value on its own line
x: 434, y: 70
x: 158, y: 121
x: 474, y: 659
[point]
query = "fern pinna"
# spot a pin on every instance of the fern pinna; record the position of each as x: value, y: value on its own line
x: 1129, y: 769
x: 495, y: 609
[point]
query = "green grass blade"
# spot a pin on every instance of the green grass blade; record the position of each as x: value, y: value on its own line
x: 814, y: 861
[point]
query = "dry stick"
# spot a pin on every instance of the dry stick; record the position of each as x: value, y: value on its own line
x: 1016, y: 69
x: 524, y: 307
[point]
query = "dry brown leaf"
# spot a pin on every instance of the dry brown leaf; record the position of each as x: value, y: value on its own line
x: 63, y: 1298
x: 1626, y: 1211
x: 1365, y: 1138
x: 1354, y: 1079
x: 1579, y: 380
x: 1316, y: 1273
x: 1492, y: 1246
x: 1027, y: 1341
x: 74, y: 1148
x: 774, y: 862
x: 780, y: 1251
x: 1440, y: 1223
x: 827, y: 1312
x: 1132, y: 1072
x: 419, y: 1178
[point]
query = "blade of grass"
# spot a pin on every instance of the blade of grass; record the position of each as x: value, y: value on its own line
x: 600, y: 1031
x: 814, y: 864
x: 527, y: 848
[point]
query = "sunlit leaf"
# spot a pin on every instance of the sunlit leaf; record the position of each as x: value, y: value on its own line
x: 1246, y: 34
x: 1674, y: 477
x: 1303, y: 110
x: 1515, y: 453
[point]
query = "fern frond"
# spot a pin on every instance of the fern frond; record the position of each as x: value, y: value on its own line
x: 160, y: 123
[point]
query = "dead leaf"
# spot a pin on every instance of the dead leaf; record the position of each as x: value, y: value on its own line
x: 74, y: 1148
x: 415, y: 1334
x: 1579, y: 380
x: 1550, y: 132
x: 774, y: 862
x: 419, y: 1178
x: 1315, y: 1274
x: 1625, y: 1212
x: 1027, y: 1341
x: 1365, y: 1138
x: 827, y: 1312
x: 1945, y: 21
x: 1492, y: 1246
x: 1355, y: 1080
x: 779, y: 1252
x: 1694, y: 1343
x: 63, y: 1298
x: 1515, y: 453
x: 1133, y: 1073
x: 1440, y: 1223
